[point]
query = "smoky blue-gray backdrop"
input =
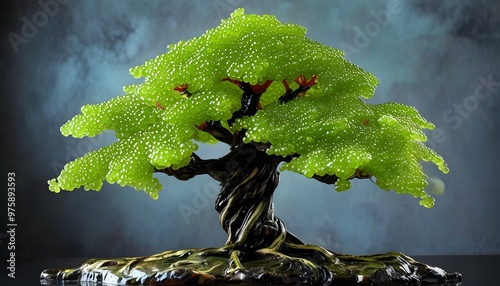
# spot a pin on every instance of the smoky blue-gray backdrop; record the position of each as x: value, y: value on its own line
x: 440, y: 56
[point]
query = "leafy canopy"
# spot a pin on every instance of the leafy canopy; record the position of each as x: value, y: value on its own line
x: 330, y: 130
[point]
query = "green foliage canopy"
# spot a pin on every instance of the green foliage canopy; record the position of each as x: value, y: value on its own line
x: 330, y: 130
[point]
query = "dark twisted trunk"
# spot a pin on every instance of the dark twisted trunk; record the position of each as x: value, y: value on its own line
x: 244, y: 203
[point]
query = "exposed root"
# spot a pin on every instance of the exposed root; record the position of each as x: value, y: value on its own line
x: 296, y: 264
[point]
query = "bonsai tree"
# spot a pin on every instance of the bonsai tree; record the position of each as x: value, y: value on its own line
x: 280, y: 101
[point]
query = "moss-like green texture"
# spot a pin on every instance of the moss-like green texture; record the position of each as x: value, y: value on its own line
x: 331, y: 129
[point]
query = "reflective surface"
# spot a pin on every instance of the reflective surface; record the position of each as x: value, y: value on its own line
x: 476, y: 270
x: 301, y: 265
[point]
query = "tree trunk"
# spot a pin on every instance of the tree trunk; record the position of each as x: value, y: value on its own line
x: 245, y: 200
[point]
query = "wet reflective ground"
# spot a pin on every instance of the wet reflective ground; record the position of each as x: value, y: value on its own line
x: 476, y: 270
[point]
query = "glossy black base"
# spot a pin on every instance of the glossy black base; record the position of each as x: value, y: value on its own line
x: 211, y: 266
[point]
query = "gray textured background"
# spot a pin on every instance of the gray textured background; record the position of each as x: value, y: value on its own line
x: 433, y: 55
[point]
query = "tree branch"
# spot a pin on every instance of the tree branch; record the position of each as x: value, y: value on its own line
x: 327, y: 179
x: 218, y: 131
x: 249, y: 106
x: 196, y: 166
x: 332, y: 179
x: 249, y: 99
x: 218, y: 169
